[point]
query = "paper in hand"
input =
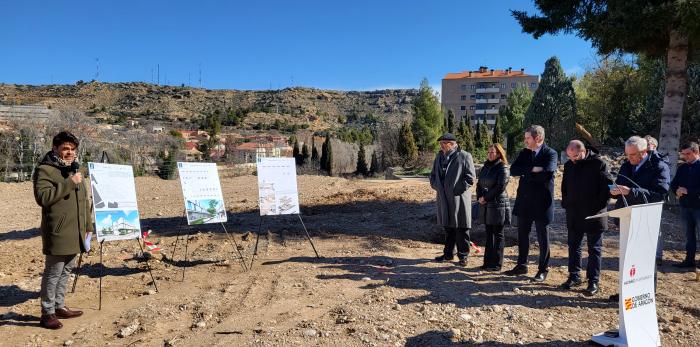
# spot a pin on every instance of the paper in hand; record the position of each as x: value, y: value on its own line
x: 88, y: 238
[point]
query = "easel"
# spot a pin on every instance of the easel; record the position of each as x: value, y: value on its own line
x: 187, y: 241
x: 257, y: 238
x: 105, y: 159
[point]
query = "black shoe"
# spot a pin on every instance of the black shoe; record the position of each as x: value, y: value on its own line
x: 442, y: 258
x: 494, y: 268
x: 540, y: 277
x: 614, y: 298
x: 462, y: 262
x: 684, y: 265
x: 572, y: 282
x: 592, y: 289
x: 517, y: 270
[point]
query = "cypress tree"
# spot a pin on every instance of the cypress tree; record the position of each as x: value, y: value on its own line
x: 361, y: 162
x: 465, y: 135
x: 450, y: 122
x: 407, y: 149
x: 314, y: 150
x: 296, y: 154
x: 374, y: 165
x: 305, y: 154
x: 498, y: 136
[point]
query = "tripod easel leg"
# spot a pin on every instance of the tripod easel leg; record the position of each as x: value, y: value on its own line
x: 308, y: 236
x: 77, y: 272
x: 102, y: 265
x: 148, y: 264
x: 187, y: 242
x: 177, y: 239
x: 257, y: 240
x: 235, y: 244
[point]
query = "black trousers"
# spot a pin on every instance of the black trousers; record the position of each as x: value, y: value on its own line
x: 493, y: 252
x: 524, y: 226
x: 458, y: 237
x: 595, y: 245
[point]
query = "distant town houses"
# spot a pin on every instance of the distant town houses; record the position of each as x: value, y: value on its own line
x: 234, y: 147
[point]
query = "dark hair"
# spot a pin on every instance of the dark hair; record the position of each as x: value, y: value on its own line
x: 535, y: 130
x: 65, y: 136
x: 693, y: 146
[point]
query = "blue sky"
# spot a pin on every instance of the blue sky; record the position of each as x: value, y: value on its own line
x: 350, y: 45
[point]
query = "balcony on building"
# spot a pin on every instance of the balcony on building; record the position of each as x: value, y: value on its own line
x: 488, y: 90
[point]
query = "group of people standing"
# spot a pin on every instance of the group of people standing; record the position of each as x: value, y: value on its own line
x: 587, y: 186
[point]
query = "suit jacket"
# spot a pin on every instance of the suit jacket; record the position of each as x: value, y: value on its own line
x: 654, y: 178
x: 535, y: 197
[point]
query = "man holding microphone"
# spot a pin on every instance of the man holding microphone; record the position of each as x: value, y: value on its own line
x: 65, y: 219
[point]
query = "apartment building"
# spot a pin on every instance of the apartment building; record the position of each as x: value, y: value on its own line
x: 479, y: 94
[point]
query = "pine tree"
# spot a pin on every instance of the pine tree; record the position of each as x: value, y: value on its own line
x: 427, y: 118
x: 513, y: 117
x: 361, y: 162
x: 305, y: 154
x: 498, y: 136
x: 485, y: 140
x: 407, y: 149
x: 296, y: 154
x: 554, y: 106
x: 450, y: 122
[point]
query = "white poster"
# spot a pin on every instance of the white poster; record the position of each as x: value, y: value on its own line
x: 277, y: 186
x: 204, y: 201
x: 114, y: 200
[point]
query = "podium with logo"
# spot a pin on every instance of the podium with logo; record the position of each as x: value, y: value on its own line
x: 639, y: 230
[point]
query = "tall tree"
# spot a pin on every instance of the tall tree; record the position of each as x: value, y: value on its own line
x: 498, y: 136
x: 465, y: 135
x: 513, y: 117
x: 324, y: 152
x: 305, y: 154
x: 450, y: 122
x: 427, y: 118
x: 653, y: 28
x: 407, y: 149
x: 477, y: 134
x: 485, y: 138
x: 314, y: 150
x: 554, y: 106
x: 296, y: 154
x: 362, y: 168
x: 374, y: 165
x: 329, y: 157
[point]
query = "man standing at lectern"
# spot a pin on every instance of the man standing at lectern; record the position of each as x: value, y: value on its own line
x: 643, y: 178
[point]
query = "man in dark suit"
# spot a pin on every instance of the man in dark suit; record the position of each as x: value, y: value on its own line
x: 584, y: 192
x: 536, y: 165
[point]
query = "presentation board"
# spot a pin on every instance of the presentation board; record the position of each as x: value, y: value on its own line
x: 201, y: 189
x: 114, y: 202
x: 277, y: 186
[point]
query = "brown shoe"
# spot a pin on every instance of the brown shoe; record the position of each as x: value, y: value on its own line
x: 65, y: 312
x: 49, y: 321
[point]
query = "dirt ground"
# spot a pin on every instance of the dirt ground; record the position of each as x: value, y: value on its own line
x: 373, y: 286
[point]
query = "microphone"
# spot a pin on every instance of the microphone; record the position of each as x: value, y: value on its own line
x: 632, y: 181
x: 74, y: 167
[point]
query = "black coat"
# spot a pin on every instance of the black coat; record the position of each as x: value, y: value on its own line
x: 688, y: 177
x: 654, y: 178
x: 493, y: 180
x: 535, y: 199
x: 585, y: 191
x: 454, y: 206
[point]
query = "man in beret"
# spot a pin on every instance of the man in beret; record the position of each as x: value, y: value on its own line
x: 451, y: 177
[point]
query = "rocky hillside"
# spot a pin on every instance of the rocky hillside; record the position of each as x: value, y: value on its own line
x: 319, y: 109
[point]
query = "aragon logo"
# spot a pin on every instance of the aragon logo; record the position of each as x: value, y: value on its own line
x: 633, y: 271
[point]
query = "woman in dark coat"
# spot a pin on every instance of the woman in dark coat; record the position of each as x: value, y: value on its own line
x: 494, y: 208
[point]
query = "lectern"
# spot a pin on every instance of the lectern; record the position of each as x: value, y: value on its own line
x: 639, y: 231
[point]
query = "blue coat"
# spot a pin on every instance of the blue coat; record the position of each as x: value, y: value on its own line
x: 535, y: 199
x: 654, y: 178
